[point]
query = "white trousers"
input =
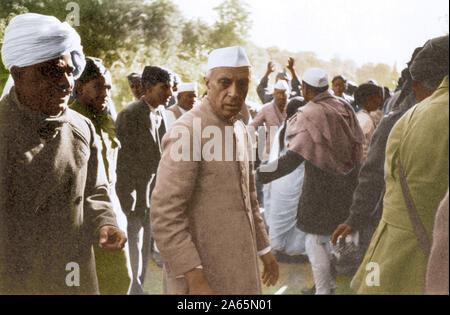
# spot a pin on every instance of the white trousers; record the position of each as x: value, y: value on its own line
x: 318, y: 250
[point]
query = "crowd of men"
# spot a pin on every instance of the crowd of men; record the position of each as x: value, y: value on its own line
x: 354, y: 178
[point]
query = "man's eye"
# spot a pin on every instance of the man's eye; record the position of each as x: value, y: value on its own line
x: 56, y: 73
x: 225, y: 82
x: 52, y: 72
x: 243, y: 83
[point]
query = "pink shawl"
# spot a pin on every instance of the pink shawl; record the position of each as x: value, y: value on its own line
x: 326, y: 132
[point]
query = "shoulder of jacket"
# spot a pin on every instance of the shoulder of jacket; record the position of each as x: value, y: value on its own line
x: 132, y: 108
x: 81, y: 125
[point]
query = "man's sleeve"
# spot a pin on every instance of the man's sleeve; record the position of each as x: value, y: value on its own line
x: 262, y: 239
x: 261, y: 89
x: 175, y: 183
x: 125, y: 171
x: 296, y: 87
x: 259, y: 119
x: 371, y: 177
x: 98, y: 207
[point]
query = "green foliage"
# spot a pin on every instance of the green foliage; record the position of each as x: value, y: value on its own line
x: 130, y: 34
x: 233, y: 24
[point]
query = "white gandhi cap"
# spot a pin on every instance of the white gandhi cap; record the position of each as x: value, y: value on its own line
x: 281, y: 85
x: 316, y: 77
x: 228, y: 57
x: 187, y: 87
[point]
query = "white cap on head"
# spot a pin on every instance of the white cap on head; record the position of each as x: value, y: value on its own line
x: 187, y: 87
x: 316, y: 77
x: 281, y: 85
x: 228, y: 57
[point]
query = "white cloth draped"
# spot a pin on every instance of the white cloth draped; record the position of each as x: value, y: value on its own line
x: 281, y: 199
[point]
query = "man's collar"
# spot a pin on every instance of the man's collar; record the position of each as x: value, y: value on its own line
x: 152, y: 109
x: 322, y: 96
x: 89, y: 111
x: 182, y: 110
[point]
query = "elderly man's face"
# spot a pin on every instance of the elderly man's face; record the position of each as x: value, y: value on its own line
x: 45, y: 87
x: 280, y: 97
x: 95, y: 93
x: 338, y: 87
x: 186, y: 100
x: 158, y: 94
x: 227, y: 89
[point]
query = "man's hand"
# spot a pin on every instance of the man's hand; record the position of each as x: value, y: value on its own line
x: 197, y: 283
x: 271, y: 272
x: 291, y: 64
x: 112, y: 238
x: 342, y: 230
x: 270, y: 68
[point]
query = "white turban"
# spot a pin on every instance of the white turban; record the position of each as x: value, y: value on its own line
x: 34, y: 38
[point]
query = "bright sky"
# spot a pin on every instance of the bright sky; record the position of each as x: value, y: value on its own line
x: 375, y: 31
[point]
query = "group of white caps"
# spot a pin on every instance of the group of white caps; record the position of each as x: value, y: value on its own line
x: 236, y: 57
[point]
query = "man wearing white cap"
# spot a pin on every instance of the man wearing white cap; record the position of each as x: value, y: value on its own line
x: 273, y: 114
x: 187, y: 94
x: 324, y: 134
x: 205, y: 213
x: 54, y: 201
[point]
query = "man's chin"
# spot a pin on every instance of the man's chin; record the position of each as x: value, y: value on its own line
x: 228, y: 114
x: 54, y: 110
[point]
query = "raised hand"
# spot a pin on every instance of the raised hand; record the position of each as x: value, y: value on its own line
x: 270, y: 68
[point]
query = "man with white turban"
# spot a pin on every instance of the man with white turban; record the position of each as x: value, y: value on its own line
x: 54, y: 201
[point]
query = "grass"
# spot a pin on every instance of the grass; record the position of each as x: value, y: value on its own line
x: 293, y: 278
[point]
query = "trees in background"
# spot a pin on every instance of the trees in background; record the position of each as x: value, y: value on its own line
x: 129, y: 34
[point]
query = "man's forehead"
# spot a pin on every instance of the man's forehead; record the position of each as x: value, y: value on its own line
x: 230, y: 71
x: 62, y: 61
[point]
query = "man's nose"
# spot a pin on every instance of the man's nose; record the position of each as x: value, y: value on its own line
x: 104, y: 92
x: 66, y: 81
x: 233, y: 90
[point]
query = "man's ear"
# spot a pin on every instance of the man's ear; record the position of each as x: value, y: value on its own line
x: 79, y: 88
x: 146, y: 87
x: 206, y: 82
x: 16, y: 73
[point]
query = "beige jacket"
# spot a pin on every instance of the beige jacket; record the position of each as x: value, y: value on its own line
x: 269, y: 116
x: 207, y: 213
